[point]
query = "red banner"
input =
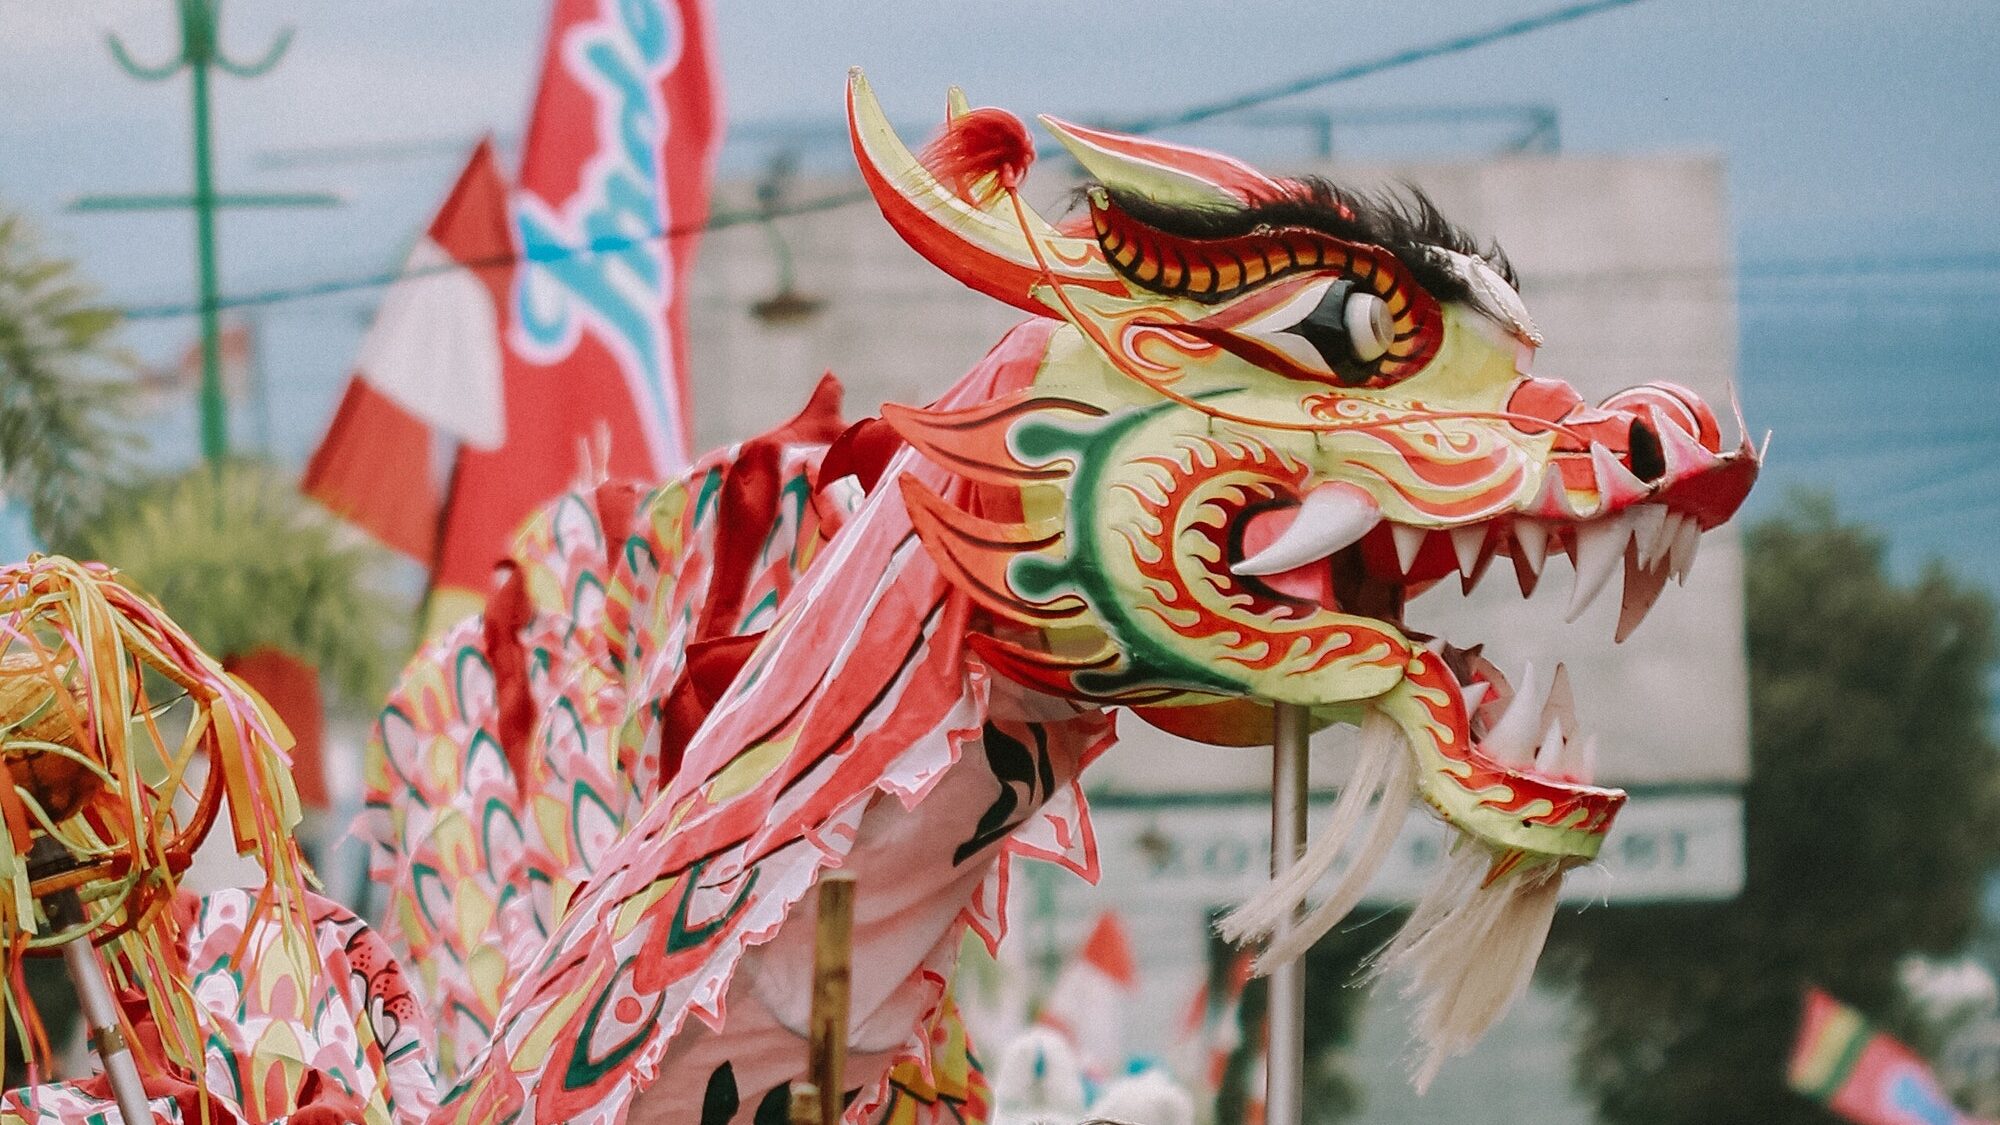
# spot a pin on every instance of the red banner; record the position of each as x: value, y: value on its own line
x: 612, y: 194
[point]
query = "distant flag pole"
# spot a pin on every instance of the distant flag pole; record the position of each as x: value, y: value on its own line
x: 1862, y: 1075
x: 200, y: 53
x: 587, y: 317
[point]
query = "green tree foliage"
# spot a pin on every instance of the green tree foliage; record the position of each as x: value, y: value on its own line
x: 62, y: 431
x: 242, y: 562
x: 1871, y: 819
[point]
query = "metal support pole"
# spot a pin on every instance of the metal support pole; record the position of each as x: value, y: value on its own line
x: 93, y: 990
x: 1285, y: 1050
x: 200, y: 54
x: 100, y: 1013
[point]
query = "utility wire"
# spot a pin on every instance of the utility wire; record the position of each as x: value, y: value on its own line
x: 1352, y: 71
x: 833, y: 201
x: 282, y: 294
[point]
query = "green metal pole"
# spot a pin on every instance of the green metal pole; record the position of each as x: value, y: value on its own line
x: 200, y: 51
x: 214, y: 409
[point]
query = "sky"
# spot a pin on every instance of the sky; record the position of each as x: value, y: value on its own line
x: 1862, y: 142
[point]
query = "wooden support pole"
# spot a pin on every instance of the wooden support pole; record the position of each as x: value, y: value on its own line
x: 833, y: 959
x: 803, y: 1107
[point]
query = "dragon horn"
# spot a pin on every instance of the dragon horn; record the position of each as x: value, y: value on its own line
x: 1161, y: 172
x: 984, y: 247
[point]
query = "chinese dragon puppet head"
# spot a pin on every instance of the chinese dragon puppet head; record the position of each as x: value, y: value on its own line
x: 1274, y: 411
x: 1246, y: 421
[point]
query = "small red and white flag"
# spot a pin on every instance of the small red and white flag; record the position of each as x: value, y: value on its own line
x: 174, y: 381
x: 1087, y: 1002
x: 532, y: 323
x: 1212, y: 1028
x: 429, y: 374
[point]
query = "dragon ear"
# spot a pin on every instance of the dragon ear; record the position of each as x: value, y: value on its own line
x: 985, y: 244
x: 1164, y: 173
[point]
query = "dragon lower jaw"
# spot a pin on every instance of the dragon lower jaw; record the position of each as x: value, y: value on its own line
x: 1469, y: 948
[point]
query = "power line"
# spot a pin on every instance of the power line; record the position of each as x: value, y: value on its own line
x: 282, y: 294
x: 833, y: 201
x: 1977, y: 261
x: 1352, y: 71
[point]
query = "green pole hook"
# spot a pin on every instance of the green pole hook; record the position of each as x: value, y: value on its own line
x: 200, y: 50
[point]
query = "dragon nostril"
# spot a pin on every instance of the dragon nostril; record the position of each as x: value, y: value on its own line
x: 1648, y: 463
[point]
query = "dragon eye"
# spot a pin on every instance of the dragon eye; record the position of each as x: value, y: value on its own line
x: 1346, y: 326
x: 1345, y: 331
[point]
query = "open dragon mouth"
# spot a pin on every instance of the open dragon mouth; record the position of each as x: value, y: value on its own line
x: 1628, y: 520
x: 1502, y: 759
x: 1637, y: 550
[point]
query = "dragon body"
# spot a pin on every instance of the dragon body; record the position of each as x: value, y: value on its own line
x: 1245, y: 421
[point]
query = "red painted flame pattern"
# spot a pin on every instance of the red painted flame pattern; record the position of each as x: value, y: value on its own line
x: 1203, y: 490
x: 1502, y: 788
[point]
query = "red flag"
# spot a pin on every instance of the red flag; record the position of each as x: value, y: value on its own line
x: 613, y: 186
x: 291, y: 687
x: 1087, y: 1001
x: 429, y: 371
x: 174, y: 381
x: 1863, y: 1075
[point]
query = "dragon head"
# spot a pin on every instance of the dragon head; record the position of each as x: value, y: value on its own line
x: 1273, y: 412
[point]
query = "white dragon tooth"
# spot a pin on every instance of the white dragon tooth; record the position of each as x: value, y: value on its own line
x: 1548, y: 759
x: 1599, y: 546
x: 1512, y: 740
x: 1669, y: 534
x: 1682, y: 451
x: 1615, y: 482
x: 1552, y: 499
x: 1736, y: 408
x: 1333, y: 516
x: 1650, y: 532
x: 1466, y: 542
x: 1642, y: 588
x: 1532, y: 540
x: 1436, y: 645
x: 1560, y: 707
x: 1474, y: 694
x: 1680, y: 557
x: 1409, y: 541
x: 1577, y: 760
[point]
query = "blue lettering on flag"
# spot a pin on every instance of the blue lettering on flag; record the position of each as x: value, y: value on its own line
x: 617, y: 277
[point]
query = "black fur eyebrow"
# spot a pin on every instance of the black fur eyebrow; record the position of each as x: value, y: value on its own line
x: 1402, y: 220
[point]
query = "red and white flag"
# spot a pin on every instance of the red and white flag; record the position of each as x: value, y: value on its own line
x: 429, y: 374
x: 584, y: 328
x: 1087, y: 1002
x: 1212, y: 1028
x: 173, y: 382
